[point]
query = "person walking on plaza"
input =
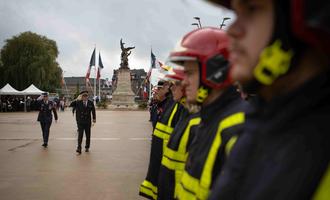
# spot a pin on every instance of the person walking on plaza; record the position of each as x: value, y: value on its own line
x: 45, y: 117
x: 280, y: 51
x: 85, y: 113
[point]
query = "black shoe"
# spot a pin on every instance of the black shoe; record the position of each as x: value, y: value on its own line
x: 44, y: 145
x: 78, y: 151
x: 86, y: 150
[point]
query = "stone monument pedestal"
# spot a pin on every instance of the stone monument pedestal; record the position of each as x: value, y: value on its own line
x: 123, y: 96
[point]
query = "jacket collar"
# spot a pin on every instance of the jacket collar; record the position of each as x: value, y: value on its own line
x: 209, y: 112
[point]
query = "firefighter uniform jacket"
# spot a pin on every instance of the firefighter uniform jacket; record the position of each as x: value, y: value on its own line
x: 285, y: 149
x: 221, y: 123
x: 175, y: 156
x: 160, y: 137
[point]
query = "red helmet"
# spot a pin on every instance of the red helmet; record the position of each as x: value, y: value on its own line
x: 310, y: 21
x: 208, y: 46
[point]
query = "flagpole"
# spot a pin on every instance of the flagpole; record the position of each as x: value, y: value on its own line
x: 100, y: 88
x: 150, y: 91
x: 95, y: 78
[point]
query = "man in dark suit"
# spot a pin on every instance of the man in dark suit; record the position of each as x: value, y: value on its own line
x: 84, y: 109
x: 45, y: 116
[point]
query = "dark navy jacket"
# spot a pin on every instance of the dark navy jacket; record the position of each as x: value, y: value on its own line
x: 83, y: 113
x: 284, y: 150
x: 45, y: 111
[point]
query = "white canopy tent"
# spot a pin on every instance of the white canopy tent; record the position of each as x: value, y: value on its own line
x: 9, y: 90
x: 32, y: 90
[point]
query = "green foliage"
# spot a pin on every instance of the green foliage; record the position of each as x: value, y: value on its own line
x: 30, y: 58
x: 102, y: 104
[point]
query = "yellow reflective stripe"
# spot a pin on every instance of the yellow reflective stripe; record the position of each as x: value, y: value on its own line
x: 178, y: 175
x: 190, y: 187
x: 159, y: 133
x: 322, y: 191
x: 164, y: 131
x: 148, y: 184
x: 183, y: 143
x: 232, y: 120
x: 148, y: 192
x: 172, y: 115
x: 181, y: 193
x: 175, y: 155
x: 164, y: 128
x: 230, y: 144
x: 171, y: 156
x: 171, y: 164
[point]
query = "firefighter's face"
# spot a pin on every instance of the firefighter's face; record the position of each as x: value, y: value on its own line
x: 177, y: 91
x: 250, y: 34
x: 161, y: 92
x: 191, y: 80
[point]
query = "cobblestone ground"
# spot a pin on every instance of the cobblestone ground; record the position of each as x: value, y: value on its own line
x: 113, y: 169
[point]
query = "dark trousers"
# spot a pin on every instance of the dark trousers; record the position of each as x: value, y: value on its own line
x: 81, y: 129
x: 45, y: 126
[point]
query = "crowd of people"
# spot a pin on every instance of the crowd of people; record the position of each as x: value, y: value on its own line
x: 17, y: 104
x: 243, y: 113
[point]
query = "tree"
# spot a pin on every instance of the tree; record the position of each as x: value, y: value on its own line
x: 30, y: 58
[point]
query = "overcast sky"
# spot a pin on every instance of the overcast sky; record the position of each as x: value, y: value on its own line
x: 78, y: 25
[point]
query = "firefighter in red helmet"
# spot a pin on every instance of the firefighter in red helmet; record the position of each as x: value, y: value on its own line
x: 279, y: 50
x: 204, y: 55
x: 168, y: 118
x: 174, y: 155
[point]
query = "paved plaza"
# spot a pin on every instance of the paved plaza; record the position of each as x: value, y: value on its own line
x: 113, y: 169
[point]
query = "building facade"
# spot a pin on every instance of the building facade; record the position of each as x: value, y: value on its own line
x: 73, y: 85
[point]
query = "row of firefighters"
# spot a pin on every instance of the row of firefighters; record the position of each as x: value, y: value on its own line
x: 216, y: 136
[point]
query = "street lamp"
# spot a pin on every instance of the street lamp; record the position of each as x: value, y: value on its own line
x: 199, y: 21
x: 195, y: 24
x: 223, y: 22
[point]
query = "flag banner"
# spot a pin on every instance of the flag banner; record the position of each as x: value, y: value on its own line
x: 99, y: 68
x: 91, y: 63
x: 88, y: 73
x: 145, y: 92
x: 153, y: 60
x: 153, y: 64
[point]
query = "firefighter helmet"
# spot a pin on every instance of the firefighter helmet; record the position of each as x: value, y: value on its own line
x: 208, y: 46
x: 309, y: 20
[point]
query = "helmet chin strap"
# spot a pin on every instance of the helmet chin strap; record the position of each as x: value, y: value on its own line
x: 282, y: 53
x: 273, y: 63
x: 203, y: 91
x: 202, y: 94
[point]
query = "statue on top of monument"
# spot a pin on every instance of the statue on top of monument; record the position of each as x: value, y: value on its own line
x: 125, y: 52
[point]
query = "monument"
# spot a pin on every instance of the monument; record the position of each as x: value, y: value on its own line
x: 123, y: 95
